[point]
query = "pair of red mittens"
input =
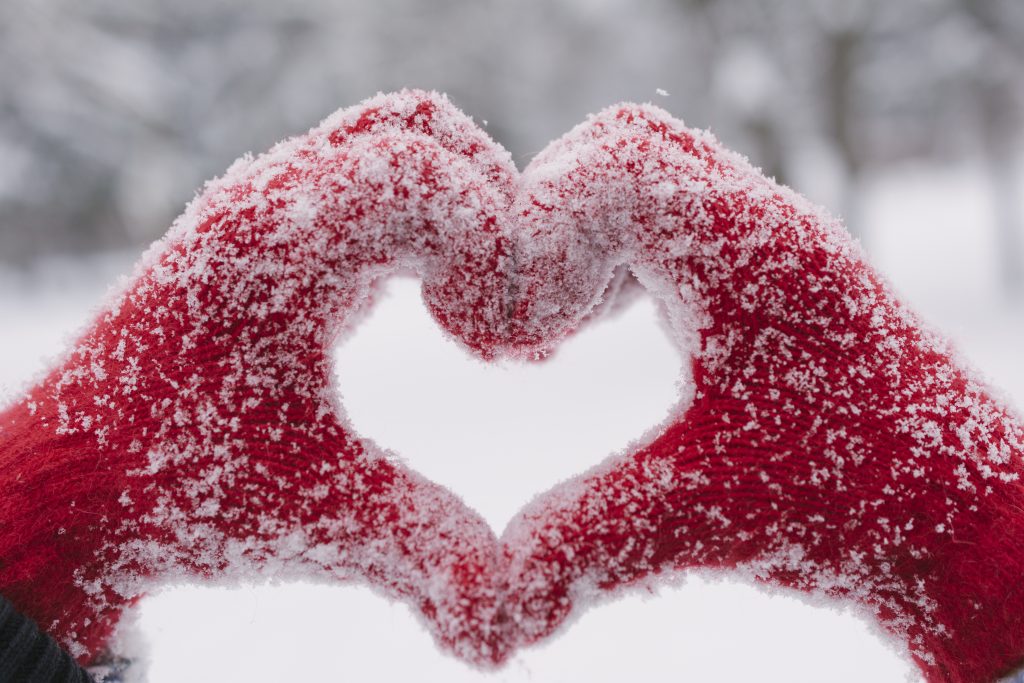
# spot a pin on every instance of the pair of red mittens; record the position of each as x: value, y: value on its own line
x: 828, y: 442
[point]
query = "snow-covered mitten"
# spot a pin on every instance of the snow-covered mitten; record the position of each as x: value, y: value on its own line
x: 192, y: 431
x: 827, y: 441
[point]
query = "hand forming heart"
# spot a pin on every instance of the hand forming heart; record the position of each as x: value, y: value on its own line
x: 831, y: 444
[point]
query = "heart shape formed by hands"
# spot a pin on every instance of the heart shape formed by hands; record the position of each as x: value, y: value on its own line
x: 830, y: 444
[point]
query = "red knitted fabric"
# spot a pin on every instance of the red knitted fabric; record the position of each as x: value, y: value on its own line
x: 192, y: 431
x: 829, y: 442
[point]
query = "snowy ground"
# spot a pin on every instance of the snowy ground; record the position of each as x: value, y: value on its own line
x: 498, y: 435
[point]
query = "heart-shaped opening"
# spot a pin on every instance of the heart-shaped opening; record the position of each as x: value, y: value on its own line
x: 498, y: 434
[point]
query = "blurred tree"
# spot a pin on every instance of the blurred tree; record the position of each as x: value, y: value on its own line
x: 112, y: 113
x: 874, y: 82
x: 999, y: 85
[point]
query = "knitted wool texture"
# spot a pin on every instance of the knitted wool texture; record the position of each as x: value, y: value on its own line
x: 828, y: 441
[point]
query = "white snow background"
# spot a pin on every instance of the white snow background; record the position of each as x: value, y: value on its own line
x: 498, y: 435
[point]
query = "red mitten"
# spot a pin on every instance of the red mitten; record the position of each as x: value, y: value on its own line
x: 192, y: 430
x: 828, y: 442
